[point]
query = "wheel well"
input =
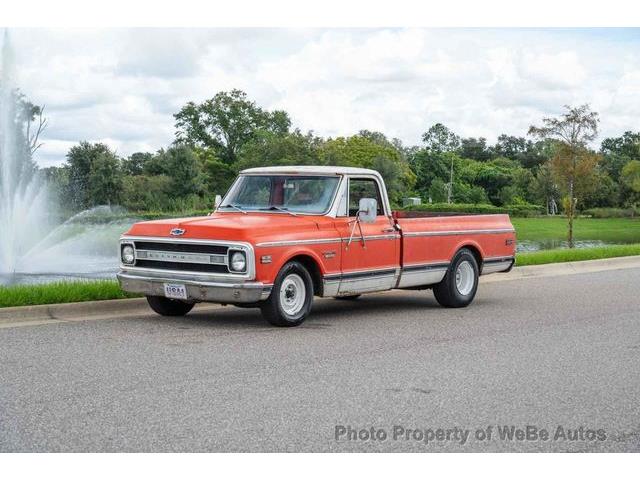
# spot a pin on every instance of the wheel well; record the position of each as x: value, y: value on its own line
x: 314, y: 270
x: 476, y: 253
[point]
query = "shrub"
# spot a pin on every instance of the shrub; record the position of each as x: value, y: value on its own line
x: 524, y: 210
x: 611, y: 212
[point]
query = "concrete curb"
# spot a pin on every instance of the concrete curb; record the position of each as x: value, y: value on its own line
x: 104, y: 309
x: 69, y: 312
x: 566, y: 268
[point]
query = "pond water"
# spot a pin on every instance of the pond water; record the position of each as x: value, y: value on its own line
x: 552, y: 243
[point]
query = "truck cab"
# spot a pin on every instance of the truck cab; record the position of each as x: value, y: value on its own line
x: 283, y: 235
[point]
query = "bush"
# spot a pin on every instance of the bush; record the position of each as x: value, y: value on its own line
x: 525, y: 210
x: 611, y: 212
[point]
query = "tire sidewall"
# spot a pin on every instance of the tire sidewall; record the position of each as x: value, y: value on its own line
x: 462, y: 256
x: 302, y: 272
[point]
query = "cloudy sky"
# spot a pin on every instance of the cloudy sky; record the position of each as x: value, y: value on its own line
x: 122, y: 86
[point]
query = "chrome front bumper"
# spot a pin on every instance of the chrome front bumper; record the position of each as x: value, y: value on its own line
x: 199, y: 290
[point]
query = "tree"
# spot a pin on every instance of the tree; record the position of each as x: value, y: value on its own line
x: 135, y: 164
x: 627, y: 145
x: 631, y: 179
x: 529, y: 154
x: 545, y: 189
x: 81, y: 186
x: 268, y: 148
x: 439, y: 139
x: 226, y: 122
x: 618, y: 151
x: 104, y: 185
x: 359, y: 151
x: 474, y: 148
x: 573, y: 163
x: 182, y: 166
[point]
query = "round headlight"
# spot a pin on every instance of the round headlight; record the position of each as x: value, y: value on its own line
x: 128, y: 255
x: 238, y: 262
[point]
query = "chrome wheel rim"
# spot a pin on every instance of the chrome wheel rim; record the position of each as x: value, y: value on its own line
x: 465, y: 278
x: 292, y: 294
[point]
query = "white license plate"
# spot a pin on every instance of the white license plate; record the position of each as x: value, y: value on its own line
x: 175, y: 290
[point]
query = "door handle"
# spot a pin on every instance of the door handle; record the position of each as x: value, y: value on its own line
x: 388, y: 230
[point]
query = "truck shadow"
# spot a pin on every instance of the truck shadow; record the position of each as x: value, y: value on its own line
x: 325, y: 313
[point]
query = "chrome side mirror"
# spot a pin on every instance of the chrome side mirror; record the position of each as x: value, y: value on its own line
x: 218, y: 201
x: 367, y: 210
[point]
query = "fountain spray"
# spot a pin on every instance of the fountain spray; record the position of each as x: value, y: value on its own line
x: 23, y: 197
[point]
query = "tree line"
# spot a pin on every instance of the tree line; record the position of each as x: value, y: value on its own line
x: 553, y: 167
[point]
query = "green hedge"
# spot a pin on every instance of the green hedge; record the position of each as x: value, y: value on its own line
x: 612, y: 212
x: 514, y: 210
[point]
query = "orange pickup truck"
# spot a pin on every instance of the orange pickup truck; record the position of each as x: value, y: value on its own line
x: 283, y: 235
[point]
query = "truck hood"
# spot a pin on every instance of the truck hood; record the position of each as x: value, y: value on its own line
x: 251, y: 227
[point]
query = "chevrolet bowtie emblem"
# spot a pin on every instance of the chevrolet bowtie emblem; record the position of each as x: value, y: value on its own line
x: 177, y: 231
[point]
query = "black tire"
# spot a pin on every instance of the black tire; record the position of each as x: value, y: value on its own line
x: 274, y: 308
x: 167, y: 307
x: 447, y: 292
x: 348, y: 297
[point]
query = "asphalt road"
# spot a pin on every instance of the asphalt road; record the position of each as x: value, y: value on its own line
x: 546, y: 352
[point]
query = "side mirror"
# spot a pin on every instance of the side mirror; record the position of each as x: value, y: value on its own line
x: 218, y: 201
x: 368, y: 210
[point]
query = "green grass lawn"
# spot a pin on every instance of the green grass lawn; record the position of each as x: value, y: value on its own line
x: 60, y: 292
x: 610, y: 230
x: 575, y: 254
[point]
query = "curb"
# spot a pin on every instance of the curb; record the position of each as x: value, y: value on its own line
x: 69, y: 312
x: 105, y: 309
x: 565, y: 268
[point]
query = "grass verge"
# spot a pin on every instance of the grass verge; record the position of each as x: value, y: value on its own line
x: 61, y: 292
x: 577, y: 254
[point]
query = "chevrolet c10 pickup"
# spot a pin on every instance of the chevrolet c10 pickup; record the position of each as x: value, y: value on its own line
x: 284, y: 235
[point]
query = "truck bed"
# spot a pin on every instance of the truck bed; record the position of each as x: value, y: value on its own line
x: 429, y: 243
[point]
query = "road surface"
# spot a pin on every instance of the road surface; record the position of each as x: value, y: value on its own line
x: 560, y: 355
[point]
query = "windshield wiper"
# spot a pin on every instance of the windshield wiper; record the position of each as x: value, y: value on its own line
x: 233, y: 206
x: 280, y: 209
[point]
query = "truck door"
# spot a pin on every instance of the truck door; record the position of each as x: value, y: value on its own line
x: 370, y: 260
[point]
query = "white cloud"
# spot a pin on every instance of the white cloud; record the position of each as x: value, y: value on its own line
x: 123, y: 86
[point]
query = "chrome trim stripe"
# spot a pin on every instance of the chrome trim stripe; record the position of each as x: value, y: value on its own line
x: 366, y: 272
x: 182, y: 257
x: 458, y: 232
x: 498, y: 259
x: 286, y: 243
x: 426, y: 266
x: 318, y: 241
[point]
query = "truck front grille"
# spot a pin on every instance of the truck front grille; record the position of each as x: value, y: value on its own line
x: 187, y: 257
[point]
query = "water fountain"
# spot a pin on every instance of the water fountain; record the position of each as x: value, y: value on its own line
x: 32, y: 247
x: 23, y: 197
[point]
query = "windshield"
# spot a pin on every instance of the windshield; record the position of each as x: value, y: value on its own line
x: 289, y: 193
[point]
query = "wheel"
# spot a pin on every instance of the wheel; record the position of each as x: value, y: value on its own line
x: 348, y: 297
x: 459, y: 285
x: 291, y: 297
x: 168, y: 307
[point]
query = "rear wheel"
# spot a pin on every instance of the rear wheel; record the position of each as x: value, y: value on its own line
x: 291, y: 297
x: 459, y: 285
x: 168, y: 307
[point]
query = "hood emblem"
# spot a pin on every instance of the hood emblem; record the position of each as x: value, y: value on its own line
x: 177, y: 231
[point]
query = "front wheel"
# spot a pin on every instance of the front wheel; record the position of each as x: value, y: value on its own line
x: 459, y: 285
x: 168, y: 307
x: 291, y: 297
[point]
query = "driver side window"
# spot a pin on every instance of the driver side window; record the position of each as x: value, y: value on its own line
x: 363, y: 188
